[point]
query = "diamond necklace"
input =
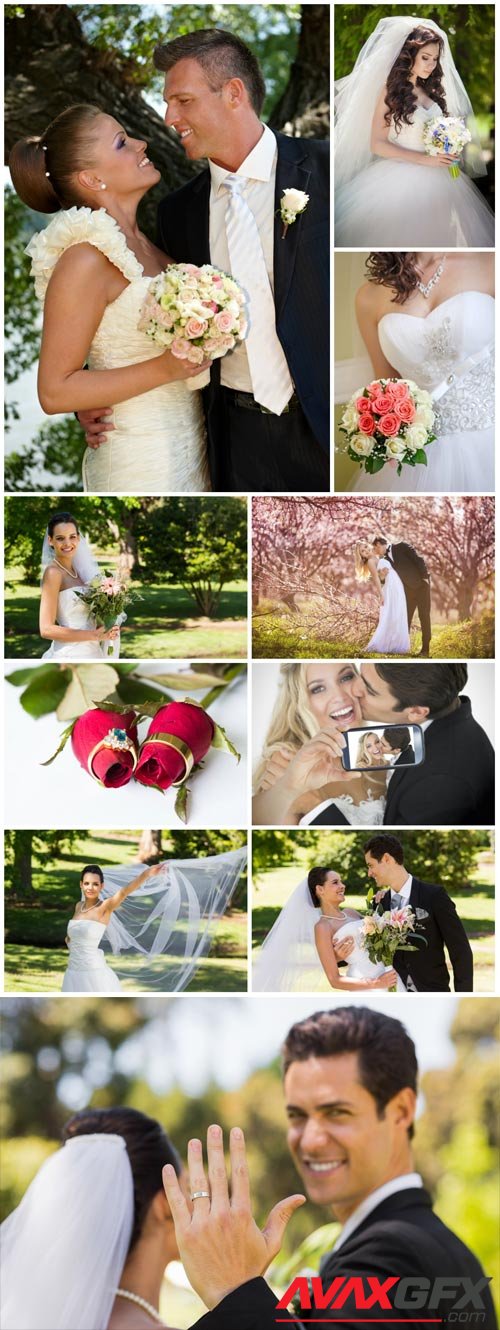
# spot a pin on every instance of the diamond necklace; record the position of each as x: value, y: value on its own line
x: 141, y: 1302
x: 426, y: 287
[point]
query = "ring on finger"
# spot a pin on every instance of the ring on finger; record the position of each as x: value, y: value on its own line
x: 198, y: 1195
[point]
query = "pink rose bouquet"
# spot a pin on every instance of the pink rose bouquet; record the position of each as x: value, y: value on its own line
x: 382, y: 935
x: 106, y: 598
x: 198, y: 313
x: 389, y: 421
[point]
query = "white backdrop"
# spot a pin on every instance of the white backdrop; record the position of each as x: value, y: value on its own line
x: 64, y: 795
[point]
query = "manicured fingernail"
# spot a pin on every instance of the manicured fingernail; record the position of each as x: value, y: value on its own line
x: 195, y: 1145
x: 169, y: 1172
x: 237, y: 1134
x: 215, y: 1132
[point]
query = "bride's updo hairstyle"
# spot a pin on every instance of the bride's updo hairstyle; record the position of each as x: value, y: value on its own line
x: 43, y: 169
x: 400, y: 96
x: 92, y: 868
x: 395, y: 269
x: 148, y: 1148
x: 316, y: 878
x: 58, y: 519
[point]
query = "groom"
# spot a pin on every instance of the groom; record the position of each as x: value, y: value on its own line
x: 350, y: 1084
x: 412, y: 569
x: 438, y: 924
x: 396, y: 745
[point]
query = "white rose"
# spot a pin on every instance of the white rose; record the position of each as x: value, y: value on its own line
x: 395, y: 447
x: 362, y: 444
x: 416, y: 437
x: 424, y: 416
x: 294, y: 201
x: 350, y: 417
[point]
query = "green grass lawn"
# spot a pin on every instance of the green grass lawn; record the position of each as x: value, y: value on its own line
x: 164, y: 623
x: 35, y: 954
x: 475, y: 906
x: 286, y: 635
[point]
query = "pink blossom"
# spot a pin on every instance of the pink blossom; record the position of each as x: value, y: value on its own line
x: 363, y: 404
x: 399, y: 390
x: 224, y: 321
x: 405, y: 409
x: 388, y: 424
x: 195, y: 328
x: 180, y: 347
x: 367, y: 424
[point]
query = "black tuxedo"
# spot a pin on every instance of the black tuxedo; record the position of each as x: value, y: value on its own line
x: 442, y: 928
x: 412, y: 569
x: 401, y: 1237
x: 291, y: 449
x: 453, y: 786
x: 406, y: 758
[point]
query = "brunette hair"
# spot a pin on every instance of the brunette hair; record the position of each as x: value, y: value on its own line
x: 435, y: 686
x: 58, y: 518
x: 92, y: 868
x: 400, y: 97
x: 398, y: 736
x: 316, y: 878
x: 395, y: 269
x: 386, y: 1055
x: 382, y: 844
x: 222, y: 56
x: 43, y: 169
x: 148, y: 1148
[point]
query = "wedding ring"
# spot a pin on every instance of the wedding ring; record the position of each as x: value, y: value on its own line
x: 171, y: 741
x: 196, y: 1195
x: 118, y: 741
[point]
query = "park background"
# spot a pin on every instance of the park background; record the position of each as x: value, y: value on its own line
x: 461, y: 861
x: 57, y: 55
x: 42, y: 871
x: 190, y: 1063
x: 307, y: 603
x: 185, y: 558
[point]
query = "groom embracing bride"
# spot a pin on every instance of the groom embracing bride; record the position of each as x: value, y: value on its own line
x: 401, y: 579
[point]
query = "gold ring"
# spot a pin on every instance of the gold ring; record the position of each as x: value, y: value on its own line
x: 116, y: 740
x: 171, y: 741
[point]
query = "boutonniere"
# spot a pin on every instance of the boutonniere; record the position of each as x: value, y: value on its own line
x: 293, y: 202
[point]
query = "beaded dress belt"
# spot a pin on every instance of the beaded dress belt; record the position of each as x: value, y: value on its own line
x: 460, y: 370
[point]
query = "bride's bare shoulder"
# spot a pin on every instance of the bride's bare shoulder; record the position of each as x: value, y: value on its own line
x: 370, y: 299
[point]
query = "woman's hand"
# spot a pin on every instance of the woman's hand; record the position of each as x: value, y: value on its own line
x: 154, y: 870
x: 316, y: 763
x: 176, y: 369
x: 441, y: 159
x: 387, y: 980
x: 220, y: 1245
x: 106, y: 634
x: 343, y: 947
x: 276, y: 766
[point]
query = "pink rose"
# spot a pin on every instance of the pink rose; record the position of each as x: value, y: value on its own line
x: 363, y: 404
x: 388, y: 424
x: 366, y: 424
x: 399, y: 390
x: 180, y: 347
x: 190, y: 268
x: 195, y: 327
x: 224, y: 321
x: 405, y: 410
x: 374, y: 388
x: 382, y: 403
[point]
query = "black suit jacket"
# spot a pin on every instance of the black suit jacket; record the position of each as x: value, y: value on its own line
x: 443, y: 928
x: 406, y: 758
x: 301, y: 273
x: 454, y: 786
x: 403, y: 1237
x: 410, y: 566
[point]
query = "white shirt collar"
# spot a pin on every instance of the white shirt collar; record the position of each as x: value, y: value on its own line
x: 258, y: 165
x: 402, y: 1183
x: 404, y: 891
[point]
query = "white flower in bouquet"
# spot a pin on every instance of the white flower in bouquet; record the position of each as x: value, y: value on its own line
x: 198, y: 313
x: 446, y: 134
x: 389, y: 421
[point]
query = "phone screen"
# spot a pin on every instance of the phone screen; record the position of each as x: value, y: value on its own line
x: 382, y: 747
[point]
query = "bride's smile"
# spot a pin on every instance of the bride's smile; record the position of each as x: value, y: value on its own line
x: 330, y: 698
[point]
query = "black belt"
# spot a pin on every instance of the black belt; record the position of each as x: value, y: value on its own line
x: 247, y: 400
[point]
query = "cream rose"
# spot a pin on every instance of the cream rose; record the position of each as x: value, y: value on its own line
x: 416, y: 437
x: 395, y: 447
x: 362, y: 444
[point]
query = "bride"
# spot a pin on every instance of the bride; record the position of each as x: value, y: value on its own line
x: 300, y: 952
x: 391, y: 635
x: 67, y: 568
x: 388, y: 190
x: 159, y: 921
x: 300, y: 769
x: 93, y: 1230
x: 92, y: 267
x: 431, y: 318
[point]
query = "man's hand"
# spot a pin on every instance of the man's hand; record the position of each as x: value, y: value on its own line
x: 96, y: 423
x: 219, y: 1242
x: 343, y: 947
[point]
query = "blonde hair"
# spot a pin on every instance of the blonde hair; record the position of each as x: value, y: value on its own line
x: 361, y: 569
x: 362, y: 756
x: 292, y: 723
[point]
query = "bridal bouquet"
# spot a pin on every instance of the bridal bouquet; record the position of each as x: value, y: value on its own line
x: 106, y: 598
x: 384, y: 934
x: 389, y: 421
x: 197, y: 313
x: 448, y: 134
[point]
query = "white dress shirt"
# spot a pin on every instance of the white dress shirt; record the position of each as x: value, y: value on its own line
x: 259, y: 171
x: 404, y: 891
x: 403, y: 1183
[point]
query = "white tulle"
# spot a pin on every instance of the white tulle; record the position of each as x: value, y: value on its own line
x: 83, y: 560
x: 289, y: 961
x: 158, y: 444
x: 64, y: 1248
x: 391, y: 634
x: 357, y: 96
x: 161, y: 931
x: 429, y: 350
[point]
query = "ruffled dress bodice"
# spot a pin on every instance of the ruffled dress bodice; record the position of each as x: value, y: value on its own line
x: 87, y: 970
x: 72, y: 613
x: 158, y: 444
x: 411, y: 136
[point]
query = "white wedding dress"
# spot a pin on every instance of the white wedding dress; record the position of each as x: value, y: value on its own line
x: 399, y: 205
x: 72, y: 613
x: 391, y: 634
x: 87, y: 970
x: 452, y: 346
x: 368, y: 813
x: 158, y: 444
x: 359, y: 965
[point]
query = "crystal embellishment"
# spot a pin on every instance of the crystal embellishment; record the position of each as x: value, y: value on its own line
x: 470, y: 402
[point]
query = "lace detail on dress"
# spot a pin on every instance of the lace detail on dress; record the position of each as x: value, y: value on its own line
x: 440, y: 349
x: 78, y: 226
x: 368, y: 813
x: 470, y: 403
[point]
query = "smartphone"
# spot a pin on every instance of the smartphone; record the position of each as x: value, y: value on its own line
x: 383, y: 747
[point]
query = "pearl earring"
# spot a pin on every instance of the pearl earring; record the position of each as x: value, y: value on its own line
x: 103, y: 186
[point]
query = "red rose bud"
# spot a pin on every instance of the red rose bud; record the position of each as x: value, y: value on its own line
x: 160, y: 762
x: 106, y: 743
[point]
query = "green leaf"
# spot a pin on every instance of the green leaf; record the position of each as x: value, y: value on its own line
x: 377, y: 464
x: 187, y: 680
x: 45, y: 691
x: 90, y: 684
x: 136, y: 692
x: 63, y: 741
x: 181, y: 802
x: 421, y: 456
x: 220, y: 740
x: 23, y: 676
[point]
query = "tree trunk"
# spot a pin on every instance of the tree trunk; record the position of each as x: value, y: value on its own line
x: 149, y: 847
x: 22, y: 872
x: 303, y: 110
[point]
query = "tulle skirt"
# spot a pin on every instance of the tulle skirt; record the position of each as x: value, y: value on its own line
x: 394, y: 205
x: 461, y: 463
x: 94, y: 978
